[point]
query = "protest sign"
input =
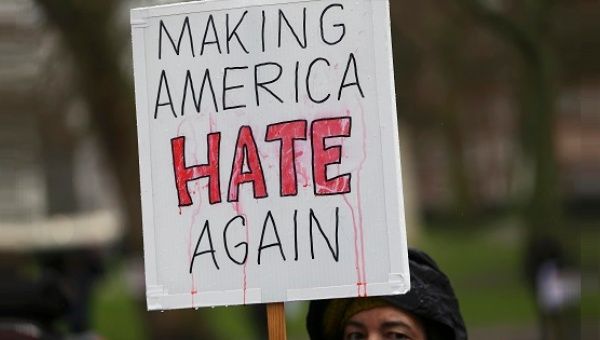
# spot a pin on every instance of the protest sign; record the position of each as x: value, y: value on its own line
x: 269, y: 159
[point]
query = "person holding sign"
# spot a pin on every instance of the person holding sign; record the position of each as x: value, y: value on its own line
x: 429, y: 311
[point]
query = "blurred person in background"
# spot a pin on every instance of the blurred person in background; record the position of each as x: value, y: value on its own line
x: 429, y: 311
x: 555, y: 287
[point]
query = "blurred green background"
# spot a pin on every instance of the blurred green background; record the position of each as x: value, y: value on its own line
x: 499, y: 114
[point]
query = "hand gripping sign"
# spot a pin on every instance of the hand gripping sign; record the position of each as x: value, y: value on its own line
x: 269, y: 159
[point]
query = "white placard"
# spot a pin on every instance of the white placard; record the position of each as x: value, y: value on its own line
x: 269, y: 159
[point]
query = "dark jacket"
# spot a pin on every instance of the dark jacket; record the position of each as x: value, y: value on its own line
x: 430, y: 298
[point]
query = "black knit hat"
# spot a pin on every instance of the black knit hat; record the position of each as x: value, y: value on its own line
x: 431, y: 298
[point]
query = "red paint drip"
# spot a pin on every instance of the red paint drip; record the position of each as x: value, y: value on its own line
x: 357, y: 261
x: 211, y: 123
x: 195, y: 213
x: 198, y: 192
x: 360, y: 212
x: 183, y: 125
x: 356, y: 251
x: 237, y: 206
x: 357, y: 221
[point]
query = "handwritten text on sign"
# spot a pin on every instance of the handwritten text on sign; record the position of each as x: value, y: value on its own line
x: 265, y: 151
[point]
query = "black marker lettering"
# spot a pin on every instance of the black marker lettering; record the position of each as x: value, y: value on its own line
x: 163, y: 80
x: 296, y: 80
x: 263, y: 85
x: 308, y: 73
x: 210, y: 23
x: 335, y: 253
x: 356, y: 82
x: 296, y: 235
x: 343, y: 33
x: 262, y: 30
x: 262, y: 235
x: 241, y: 244
x: 211, y: 250
x: 198, y: 102
x: 186, y: 26
x: 231, y: 34
x: 282, y: 17
x: 227, y: 88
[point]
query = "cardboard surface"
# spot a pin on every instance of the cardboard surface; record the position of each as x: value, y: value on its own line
x: 269, y: 159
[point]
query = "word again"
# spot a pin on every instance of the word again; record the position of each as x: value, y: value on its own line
x: 269, y: 238
x: 247, y: 169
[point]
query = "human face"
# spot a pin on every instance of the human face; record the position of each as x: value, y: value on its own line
x: 384, y: 323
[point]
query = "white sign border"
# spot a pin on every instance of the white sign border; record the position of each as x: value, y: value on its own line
x: 157, y: 296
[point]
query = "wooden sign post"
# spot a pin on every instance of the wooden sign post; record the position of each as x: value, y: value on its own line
x: 269, y: 159
x: 276, y: 321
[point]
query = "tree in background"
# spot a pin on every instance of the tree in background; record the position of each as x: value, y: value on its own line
x: 537, y: 93
x: 86, y: 29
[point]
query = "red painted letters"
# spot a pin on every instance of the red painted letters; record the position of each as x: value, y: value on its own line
x: 323, y: 156
x: 184, y: 174
x: 287, y: 133
x: 246, y: 149
x: 247, y: 168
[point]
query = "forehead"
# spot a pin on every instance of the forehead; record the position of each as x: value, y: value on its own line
x: 387, y: 314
